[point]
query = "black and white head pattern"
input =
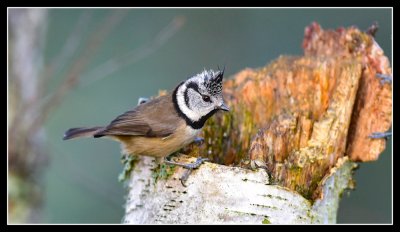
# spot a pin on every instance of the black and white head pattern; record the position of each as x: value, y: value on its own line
x: 199, y: 97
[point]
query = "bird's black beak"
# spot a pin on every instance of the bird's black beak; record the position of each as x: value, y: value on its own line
x: 223, y: 107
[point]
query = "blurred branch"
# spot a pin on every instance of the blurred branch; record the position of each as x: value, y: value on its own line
x: 68, y: 50
x: 26, y: 155
x: 26, y: 44
x: 108, y: 67
x: 73, y: 75
x: 27, y: 30
x: 112, y: 65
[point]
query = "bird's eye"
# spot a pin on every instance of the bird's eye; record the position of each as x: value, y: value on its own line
x: 206, y: 98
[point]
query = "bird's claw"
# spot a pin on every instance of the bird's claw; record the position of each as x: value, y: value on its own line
x: 199, y: 161
x: 384, y: 78
x: 198, y: 141
x: 380, y: 135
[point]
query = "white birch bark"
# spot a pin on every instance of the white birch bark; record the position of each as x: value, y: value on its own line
x: 217, y: 194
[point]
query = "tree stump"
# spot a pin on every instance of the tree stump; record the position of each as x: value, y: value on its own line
x: 286, y: 151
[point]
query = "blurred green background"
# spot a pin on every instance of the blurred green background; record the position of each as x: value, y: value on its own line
x: 153, y: 49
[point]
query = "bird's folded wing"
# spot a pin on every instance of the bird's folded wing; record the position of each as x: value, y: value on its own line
x: 156, y: 118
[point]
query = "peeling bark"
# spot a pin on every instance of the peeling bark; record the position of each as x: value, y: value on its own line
x: 229, y: 195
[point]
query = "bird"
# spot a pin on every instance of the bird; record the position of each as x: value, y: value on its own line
x: 161, y: 126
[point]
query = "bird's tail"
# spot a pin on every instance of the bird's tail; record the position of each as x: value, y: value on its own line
x: 81, y: 132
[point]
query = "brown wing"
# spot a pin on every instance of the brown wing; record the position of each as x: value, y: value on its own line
x: 156, y: 118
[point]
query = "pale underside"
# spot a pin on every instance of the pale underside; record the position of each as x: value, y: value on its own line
x: 157, y: 146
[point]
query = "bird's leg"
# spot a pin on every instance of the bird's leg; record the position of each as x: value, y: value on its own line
x: 384, y: 78
x: 193, y: 165
x: 380, y: 135
x: 198, y: 141
x: 189, y: 167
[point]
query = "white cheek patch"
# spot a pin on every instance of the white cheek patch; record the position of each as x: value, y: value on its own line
x: 180, y: 98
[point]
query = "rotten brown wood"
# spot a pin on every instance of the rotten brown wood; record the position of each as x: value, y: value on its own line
x: 298, y: 115
x: 373, y: 107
